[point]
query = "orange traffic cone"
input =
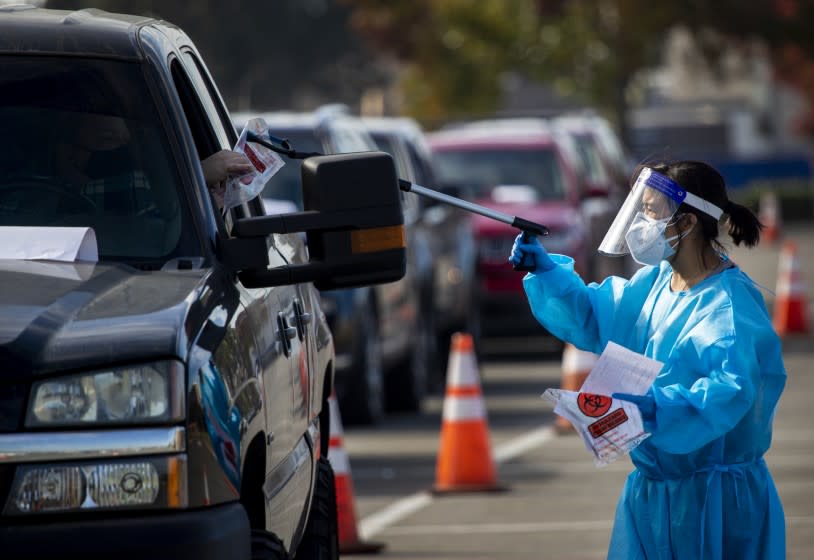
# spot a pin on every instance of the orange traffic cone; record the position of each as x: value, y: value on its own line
x: 576, y: 365
x: 465, y: 461
x: 790, y: 306
x: 769, y: 216
x: 349, y: 541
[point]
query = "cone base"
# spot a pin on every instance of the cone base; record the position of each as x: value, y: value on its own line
x: 361, y: 547
x: 468, y: 488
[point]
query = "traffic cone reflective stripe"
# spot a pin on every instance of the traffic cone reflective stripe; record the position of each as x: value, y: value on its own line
x: 576, y: 365
x: 790, y: 306
x: 465, y: 462
x: 349, y: 541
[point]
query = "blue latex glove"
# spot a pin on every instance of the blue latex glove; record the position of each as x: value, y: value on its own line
x: 646, y: 403
x: 531, y: 247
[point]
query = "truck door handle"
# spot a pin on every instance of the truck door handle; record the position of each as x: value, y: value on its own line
x: 285, y: 332
x: 302, y: 318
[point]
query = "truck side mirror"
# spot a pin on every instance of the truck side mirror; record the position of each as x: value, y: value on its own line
x: 353, y: 220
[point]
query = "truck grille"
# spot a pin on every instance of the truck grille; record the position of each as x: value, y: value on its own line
x: 12, y: 402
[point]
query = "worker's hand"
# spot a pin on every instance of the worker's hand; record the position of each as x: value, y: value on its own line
x: 221, y: 165
x: 532, y: 247
x: 646, y: 403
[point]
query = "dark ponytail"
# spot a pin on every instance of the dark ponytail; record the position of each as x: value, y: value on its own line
x: 744, y: 226
x: 704, y: 181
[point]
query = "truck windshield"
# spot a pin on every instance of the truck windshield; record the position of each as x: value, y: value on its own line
x: 83, y: 145
x: 480, y: 170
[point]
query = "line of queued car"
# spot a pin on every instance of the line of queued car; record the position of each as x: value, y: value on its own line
x: 392, y: 340
x: 566, y: 172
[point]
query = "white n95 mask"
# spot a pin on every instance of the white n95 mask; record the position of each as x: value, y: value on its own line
x: 646, y: 242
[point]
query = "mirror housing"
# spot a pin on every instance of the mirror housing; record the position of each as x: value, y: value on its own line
x: 353, y: 221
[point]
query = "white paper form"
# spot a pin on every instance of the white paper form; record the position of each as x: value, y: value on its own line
x: 48, y: 243
x: 609, y: 427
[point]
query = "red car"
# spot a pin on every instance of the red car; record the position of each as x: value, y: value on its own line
x: 520, y: 167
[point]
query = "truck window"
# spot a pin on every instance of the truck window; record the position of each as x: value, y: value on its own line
x: 205, y: 142
x: 83, y: 145
x: 206, y: 111
x: 200, y: 74
x: 210, y: 105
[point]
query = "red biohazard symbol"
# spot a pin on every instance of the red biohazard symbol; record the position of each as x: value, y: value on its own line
x: 593, y: 405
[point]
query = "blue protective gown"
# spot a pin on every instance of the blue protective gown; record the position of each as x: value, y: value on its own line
x: 701, y: 489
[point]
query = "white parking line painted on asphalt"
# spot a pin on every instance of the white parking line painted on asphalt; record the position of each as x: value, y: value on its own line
x: 523, y: 444
x: 377, y: 522
x: 503, y: 528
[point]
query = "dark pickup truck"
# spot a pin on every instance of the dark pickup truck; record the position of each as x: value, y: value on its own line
x: 168, y: 398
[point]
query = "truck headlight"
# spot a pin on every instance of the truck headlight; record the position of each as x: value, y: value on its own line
x: 149, y: 393
x: 155, y: 482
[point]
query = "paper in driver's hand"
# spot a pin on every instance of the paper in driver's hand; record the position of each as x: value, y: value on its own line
x: 609, y: 427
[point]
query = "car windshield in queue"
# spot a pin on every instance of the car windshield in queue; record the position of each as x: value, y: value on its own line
x: 591, y: 159
x: 286, y: 184
x: 83, y: 146
x: 482, y: 169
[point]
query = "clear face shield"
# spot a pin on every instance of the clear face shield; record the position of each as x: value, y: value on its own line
x: 649, y: 209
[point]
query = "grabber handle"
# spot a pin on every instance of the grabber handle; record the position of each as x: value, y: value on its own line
x: 527, y: 263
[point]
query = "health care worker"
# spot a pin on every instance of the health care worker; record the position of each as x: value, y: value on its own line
x: 701, y: 489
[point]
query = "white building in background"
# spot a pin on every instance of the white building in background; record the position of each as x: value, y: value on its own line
x: 685, y: 107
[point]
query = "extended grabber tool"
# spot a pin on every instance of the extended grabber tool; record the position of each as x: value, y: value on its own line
x: 528, y: 227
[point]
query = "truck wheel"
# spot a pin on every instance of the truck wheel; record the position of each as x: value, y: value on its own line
x: 321, y: 538
x: 266, y: 546
x: 363, y: 401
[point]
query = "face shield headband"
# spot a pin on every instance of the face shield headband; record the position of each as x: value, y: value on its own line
x: 655, y: 196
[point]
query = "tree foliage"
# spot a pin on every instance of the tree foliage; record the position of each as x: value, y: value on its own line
x: 457, y: 50
x: 458, y: 53
x: 267, y: 54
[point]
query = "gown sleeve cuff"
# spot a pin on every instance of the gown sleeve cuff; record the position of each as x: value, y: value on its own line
x: 554, y: 282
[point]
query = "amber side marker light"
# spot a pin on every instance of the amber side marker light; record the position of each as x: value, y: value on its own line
x: 378, y: 239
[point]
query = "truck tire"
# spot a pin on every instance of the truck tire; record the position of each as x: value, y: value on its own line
x: 266, y: 546
x: 321, y: 538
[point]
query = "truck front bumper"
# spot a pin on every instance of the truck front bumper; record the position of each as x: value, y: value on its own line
x: 214, y: 533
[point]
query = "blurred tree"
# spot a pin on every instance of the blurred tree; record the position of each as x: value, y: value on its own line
x: 454, y: 52
x: 285, y: 54
x: 457, y: 51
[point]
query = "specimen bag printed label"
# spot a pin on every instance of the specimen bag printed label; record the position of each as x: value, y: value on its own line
x: 609, y: 427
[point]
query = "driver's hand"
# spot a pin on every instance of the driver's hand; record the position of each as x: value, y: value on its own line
x: 221, y: 165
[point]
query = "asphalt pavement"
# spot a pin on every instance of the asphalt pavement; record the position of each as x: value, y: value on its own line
x: 557, y: 503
